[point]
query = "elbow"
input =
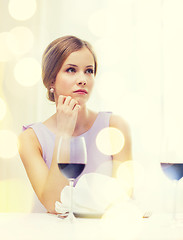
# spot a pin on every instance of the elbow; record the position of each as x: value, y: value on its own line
x: 50, y: 207
x: 51, y: 210
x: 49, y: 204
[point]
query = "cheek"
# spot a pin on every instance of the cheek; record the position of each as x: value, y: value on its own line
x: 62, y: 84
x: 91, y: 84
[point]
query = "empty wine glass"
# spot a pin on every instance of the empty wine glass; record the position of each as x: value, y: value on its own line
x: 71, y: 159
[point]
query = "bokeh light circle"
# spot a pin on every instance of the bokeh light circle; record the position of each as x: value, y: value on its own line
x: 110, y: 141
x: 22, y: 9
x: 27, y: 72
x: 129, y: 174
x: 125, y: 175
x: 3, y: 108
x: 8, y: 144
x: 5, y: 52
x: 22, y: 40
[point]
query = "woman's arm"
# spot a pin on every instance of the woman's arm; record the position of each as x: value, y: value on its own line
x: 47, y: 183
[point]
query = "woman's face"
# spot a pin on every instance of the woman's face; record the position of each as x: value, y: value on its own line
x: 76, y: 76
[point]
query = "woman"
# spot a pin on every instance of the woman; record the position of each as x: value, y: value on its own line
x: 68, y: 69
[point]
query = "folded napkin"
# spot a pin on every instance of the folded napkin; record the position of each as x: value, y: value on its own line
x: 93, y: 193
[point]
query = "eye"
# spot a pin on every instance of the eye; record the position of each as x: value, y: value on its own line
x: 70, y: 70
x: 90, y: 71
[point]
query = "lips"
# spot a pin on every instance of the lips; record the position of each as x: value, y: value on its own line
x: 81, y: 91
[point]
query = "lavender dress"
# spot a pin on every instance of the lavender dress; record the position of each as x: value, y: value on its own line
x: 96, y: 161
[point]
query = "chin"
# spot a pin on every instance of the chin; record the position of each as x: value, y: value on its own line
x: 81, y: 101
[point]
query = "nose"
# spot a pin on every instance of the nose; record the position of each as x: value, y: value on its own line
x: 82, y: 83
x: 81, y: 80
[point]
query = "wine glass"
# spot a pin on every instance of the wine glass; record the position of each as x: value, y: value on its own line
x: 71, y: 159
x: 172, y: 167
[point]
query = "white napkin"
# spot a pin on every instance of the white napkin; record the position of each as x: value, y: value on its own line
x: 93, y: 193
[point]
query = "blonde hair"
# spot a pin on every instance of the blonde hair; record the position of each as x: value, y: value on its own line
x: 55, y: 55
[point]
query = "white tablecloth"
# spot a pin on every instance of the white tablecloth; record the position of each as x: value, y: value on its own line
x: 37, y: 226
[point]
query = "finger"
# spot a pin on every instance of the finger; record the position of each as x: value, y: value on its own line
x: 73, y: 103
x: 67, y: 100
x: 76, y: 108
x: 61, y: 99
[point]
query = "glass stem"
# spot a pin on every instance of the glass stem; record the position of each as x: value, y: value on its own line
x: 175, y: 183
x: 71, y: 184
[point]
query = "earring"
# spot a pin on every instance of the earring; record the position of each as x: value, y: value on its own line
x: 52, y: 90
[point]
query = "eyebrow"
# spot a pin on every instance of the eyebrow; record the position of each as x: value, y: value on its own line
x: 73, y: 65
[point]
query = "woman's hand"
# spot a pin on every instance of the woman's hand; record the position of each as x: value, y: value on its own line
x: 67, y: 112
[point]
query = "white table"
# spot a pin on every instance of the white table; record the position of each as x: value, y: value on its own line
x: 37, y: 226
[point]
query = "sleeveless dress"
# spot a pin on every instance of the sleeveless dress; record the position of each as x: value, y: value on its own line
x: 96, y: 161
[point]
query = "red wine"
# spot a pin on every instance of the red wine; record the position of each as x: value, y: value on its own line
x: 173, y: 171
x: 71, y: 170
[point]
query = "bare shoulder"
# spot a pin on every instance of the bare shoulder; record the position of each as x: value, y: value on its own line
x: 28, y: 134
x: 28, y: 139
